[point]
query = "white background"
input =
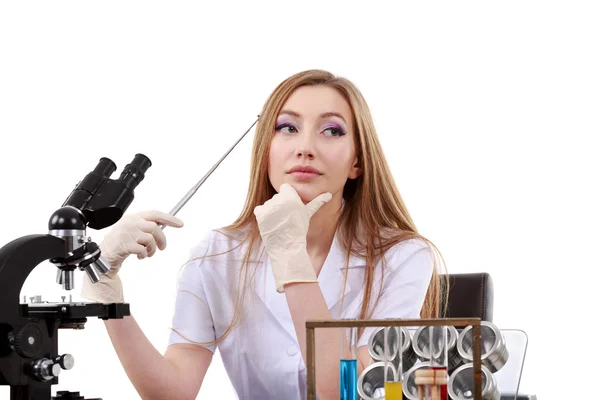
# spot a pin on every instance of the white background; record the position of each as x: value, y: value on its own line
x: 488, y: 114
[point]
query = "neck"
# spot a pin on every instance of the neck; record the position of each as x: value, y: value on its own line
x: 321, y: 230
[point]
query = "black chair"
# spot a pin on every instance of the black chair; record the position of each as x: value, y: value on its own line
x: 472, y: 296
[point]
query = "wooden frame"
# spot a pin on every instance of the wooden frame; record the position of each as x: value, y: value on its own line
x: 311, y: 325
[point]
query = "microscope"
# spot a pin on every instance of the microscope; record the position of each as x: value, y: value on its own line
x: 29, y: 359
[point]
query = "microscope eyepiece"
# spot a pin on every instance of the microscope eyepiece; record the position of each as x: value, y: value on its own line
x: 134, y: 172
x: 105, y: 167
x: 87, y: 188
x: 102, y: 200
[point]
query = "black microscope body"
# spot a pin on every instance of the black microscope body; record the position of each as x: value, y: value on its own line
x: 29, y: 359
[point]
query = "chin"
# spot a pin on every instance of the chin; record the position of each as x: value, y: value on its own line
x: 306, y: 192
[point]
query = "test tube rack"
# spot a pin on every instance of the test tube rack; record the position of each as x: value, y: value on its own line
x: 311, y: 325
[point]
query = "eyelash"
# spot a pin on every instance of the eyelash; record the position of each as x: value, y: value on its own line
x: 337, y: 128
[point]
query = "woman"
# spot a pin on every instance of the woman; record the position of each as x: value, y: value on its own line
x: 324, y: 234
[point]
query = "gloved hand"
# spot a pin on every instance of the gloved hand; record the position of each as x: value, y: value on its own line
x: 137, y: 233
x: 283, y: 223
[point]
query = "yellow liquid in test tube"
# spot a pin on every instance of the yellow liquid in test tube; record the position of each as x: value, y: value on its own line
x: 393, y: 390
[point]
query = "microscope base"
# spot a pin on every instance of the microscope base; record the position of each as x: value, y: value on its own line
x: 49, y: 318
x: 20, y: 392
x: 65, y: 395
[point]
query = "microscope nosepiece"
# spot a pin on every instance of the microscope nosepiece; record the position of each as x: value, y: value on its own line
x: 60, y: 277
x: 68, y: 279
x: 92, y: 273
x: 101, y: 265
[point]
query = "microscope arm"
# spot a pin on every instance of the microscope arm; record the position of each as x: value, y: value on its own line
x: 17, y: 259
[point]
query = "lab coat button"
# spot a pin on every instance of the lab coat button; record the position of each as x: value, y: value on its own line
x: 292, y: 351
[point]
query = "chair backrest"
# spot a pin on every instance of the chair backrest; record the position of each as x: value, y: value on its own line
x: 470, y: 296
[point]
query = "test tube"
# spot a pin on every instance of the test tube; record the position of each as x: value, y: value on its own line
x: 348, y: 365
x: 438, y: 359
x: 392, y: 376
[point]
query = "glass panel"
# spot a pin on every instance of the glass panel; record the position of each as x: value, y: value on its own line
x: 509, y: 377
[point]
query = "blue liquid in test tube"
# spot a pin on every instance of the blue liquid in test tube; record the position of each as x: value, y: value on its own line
x: 348, y: 366
x: 348, y: 380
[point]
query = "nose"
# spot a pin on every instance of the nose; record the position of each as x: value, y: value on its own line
x: 305, y: 147
x: 305, y: 153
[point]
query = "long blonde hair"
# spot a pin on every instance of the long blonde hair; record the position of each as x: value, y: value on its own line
x: 374, y: 217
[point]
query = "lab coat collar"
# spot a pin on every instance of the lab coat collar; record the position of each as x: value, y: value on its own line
x: 331, y: 281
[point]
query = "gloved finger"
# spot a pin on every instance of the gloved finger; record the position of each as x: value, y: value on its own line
x: 153, y: 229
x: 136, y: 248
x: 162, y: 218
x: 270, y: 201
x: 159, y: 236
x: 144, y: 238
x: 286, y: 187
x: 151, y: 248
x: 260, y: 211
x: 317, y: 202
x: 147, y: 240
x: 289, y: 192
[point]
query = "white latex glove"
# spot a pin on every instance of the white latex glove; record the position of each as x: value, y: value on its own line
x: 283, y: 223
x: 137, y: 233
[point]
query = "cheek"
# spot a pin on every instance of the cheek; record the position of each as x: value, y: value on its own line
x: 274, y: 153
x: 340, y: 159
x: 276, y: 159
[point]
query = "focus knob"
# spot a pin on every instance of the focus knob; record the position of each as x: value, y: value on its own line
x: 28, y: 341
x: 66, y: 361
x: 45, y: 369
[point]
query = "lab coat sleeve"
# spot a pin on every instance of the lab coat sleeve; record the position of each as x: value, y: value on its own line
x: 192, y: 321
x: 407, y: 278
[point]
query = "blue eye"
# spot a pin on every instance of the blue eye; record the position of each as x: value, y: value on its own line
x: 281, y: 128
x: 335, y: 131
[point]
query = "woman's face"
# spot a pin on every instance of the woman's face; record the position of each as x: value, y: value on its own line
x: 313, y: 145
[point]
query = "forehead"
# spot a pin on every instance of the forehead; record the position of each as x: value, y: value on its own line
x: 311, y: 101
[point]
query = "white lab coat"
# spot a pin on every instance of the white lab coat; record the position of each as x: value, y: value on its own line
x: 262, y: 356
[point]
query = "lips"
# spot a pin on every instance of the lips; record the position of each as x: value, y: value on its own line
x: 304, y: 173
x: 304, y: 169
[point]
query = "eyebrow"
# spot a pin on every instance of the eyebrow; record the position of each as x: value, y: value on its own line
x: 324, y: 115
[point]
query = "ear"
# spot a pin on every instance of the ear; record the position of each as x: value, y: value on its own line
x: 355, y: 171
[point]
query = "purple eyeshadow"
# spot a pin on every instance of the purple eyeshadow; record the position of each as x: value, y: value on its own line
x: 339, y: 128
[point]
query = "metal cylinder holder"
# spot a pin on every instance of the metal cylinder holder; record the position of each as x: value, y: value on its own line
x: 409, y: 387
x: 371, y: 382
x: 460, y: 385
x: 494, y: 353
x: 420, y: 344
x: 396, y: 341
